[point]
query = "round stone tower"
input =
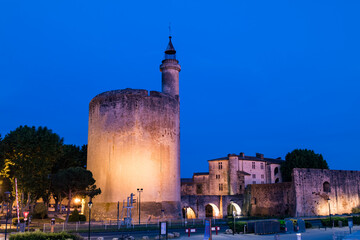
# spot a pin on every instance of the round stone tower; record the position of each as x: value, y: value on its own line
x: 134, y: 143
x: 170, y: 69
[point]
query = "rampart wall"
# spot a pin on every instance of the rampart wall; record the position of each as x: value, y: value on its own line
x: 269, y: 199
x: 312, y: 191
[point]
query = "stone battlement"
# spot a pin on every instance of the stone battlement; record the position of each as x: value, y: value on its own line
x: 114, y: 95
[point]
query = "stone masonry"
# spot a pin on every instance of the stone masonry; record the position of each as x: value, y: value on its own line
x: 134, y: 142
x: 317, y: 189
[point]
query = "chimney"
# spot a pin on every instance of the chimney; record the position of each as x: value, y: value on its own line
x: 242, y: 154
x: 260, y: 155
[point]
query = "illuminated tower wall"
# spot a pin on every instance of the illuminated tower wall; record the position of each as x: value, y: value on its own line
x: 134, y: 142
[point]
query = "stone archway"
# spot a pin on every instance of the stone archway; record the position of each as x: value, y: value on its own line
x: 211, y: 211
x: 188, y: 213
x: 233, y: 207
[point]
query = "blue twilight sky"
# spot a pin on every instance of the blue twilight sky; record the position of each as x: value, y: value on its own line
x: 257, y: 75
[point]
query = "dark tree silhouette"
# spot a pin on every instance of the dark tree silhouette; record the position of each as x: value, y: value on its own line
x: 301, y: 158
x: 28, y: 154
x: 74, y: 181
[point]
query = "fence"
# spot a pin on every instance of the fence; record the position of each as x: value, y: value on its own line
x: 113, y: 225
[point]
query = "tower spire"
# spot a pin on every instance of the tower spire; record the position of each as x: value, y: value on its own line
x: 170, y: 52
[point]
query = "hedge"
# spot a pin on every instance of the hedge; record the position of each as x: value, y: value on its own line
x: 15, y: 220
x: 239, y: 226
x: 356, y: 220
x: 326, y: 222
x: 44, y: 236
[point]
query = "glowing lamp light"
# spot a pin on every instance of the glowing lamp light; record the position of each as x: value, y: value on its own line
x: 77, y: 200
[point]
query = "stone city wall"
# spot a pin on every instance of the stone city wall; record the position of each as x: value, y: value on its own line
x: 269, y: 200
x: 314, y: 187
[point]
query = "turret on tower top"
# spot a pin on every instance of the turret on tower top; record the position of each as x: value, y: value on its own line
x: 170, y: 52
x: 170, y: 69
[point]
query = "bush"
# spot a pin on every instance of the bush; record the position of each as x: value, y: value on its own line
x: 44, y: 236
x: 82, y: 218
x: 356, y: 220
x: 15, y: 220
x: 239, y: 226
x: 76, y: 217
x: 308, y: 224
x: 326, y: 222
x: 40, y: 211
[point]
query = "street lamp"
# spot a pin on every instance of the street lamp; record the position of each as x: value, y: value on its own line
x: 7, y: 195
x: 186, y: 216
x: 328, y: 199
x: 140, y: 190
x: 234, y: 213
x: 90, y: 205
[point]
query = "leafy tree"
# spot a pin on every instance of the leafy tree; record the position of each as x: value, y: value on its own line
x: 72, y: 156
x: 83, y: 156
x: 1, y: 153
x: 40, y: 211
x: 5, y: 184
x: 74, y: 181
x: 301, y: 158
x: 29, y: 154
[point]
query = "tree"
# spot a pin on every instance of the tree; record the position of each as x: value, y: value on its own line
x: 2, y: 157
x: 301, y: 158
x: 74, y: 181
x: 72, y: 156
x: 29, y: 154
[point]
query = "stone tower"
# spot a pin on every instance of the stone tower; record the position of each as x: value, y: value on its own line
x: 134, y: 142
x: 170, y: 69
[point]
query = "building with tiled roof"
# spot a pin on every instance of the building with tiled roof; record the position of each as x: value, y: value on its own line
x: 230, y: 175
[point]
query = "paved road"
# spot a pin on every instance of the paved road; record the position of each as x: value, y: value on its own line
x: 315, y: 234
x: 312, y: 234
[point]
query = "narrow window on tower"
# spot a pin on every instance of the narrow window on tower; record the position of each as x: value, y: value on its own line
x: 217, y: 176
x: 262, y: 165
x: 220, y: 186
x: 220, y: 165
x: 199, y: 189
x: 253, y: 165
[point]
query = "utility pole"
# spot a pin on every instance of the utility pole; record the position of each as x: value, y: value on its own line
x: 118, y: 206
